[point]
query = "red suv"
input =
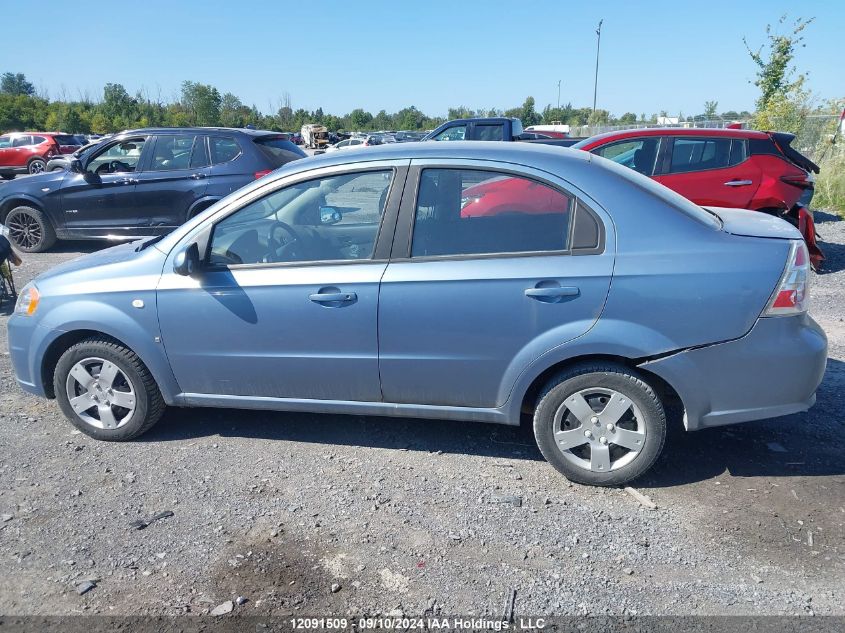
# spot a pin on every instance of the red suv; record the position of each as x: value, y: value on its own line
x: 743, y: 169
x: 28, y: 152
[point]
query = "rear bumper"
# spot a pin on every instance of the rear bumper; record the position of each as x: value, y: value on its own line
x: 773, y: 370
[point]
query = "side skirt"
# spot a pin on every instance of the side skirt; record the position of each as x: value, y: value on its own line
x: 494, y: 416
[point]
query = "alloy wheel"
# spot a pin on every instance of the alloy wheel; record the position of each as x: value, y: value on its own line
x: 25, y: 230
x: 100, y: 393
x: 599, y: 429
x: 37, y: 166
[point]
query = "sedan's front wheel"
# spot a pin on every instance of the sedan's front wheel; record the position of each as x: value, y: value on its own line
x: 600, y: 424
x: 106, y: 391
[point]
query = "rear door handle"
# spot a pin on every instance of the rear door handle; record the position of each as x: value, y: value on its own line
x: 739, y: 183
x: 197, y: 176
x: 333, y: 297
x: 552, y: 292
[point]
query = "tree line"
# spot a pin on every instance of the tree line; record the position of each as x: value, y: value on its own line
x: 198, y: 104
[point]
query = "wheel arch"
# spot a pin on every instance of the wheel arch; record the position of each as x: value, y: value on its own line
x: 156, y: 364
x: 666, y: 392
x: 200, y: 205
x: 19, y: 200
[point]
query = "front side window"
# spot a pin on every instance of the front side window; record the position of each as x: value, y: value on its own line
x: 5, y: 141
x: 173, y: 152
x: 697, y: 154
x: 485, y: 132
x: 327, y: 219
x: 639, y: 154
x: 454, y: 133
x: 474, y: 212
x: 223, y: 149
x: 118, y: 158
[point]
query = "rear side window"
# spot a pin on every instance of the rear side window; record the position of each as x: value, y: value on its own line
x: 489, y: 132
x: 639, y: 154
x: 739, y: 151
x: 223, y: 149
x: 474, y: 212
x: 22, y: 140
x: 278, y: 149
x: 173, y: 152
x: 37, y: 140
x: 697, y: 154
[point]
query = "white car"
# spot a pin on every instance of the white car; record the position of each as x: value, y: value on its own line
x: 349, y: 143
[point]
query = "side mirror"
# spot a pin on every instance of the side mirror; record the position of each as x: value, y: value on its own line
x: 330, y: 215
x: 76, y: 166
x: 187, y: 261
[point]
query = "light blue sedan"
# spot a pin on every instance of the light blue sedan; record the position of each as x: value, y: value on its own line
x: 468, y: 281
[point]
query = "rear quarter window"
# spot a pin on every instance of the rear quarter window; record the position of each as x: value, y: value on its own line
x: 223, y: 149
x: 278, y: 150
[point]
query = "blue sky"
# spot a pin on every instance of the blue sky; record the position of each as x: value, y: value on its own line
x: 389, y: 54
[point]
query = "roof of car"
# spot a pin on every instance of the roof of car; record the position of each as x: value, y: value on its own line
x: 675, y: 131
x: 177, y: 130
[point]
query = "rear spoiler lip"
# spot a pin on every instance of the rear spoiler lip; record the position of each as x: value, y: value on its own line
x: 782, y: 140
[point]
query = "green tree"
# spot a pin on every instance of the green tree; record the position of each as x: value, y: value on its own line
x: 202, y: 101
x: 710, y: 109
x: 232, y: 111
x: 628, y: 118
x: 774, y: 59
x: 16, y: 84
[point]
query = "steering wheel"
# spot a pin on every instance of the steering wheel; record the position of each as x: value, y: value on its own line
x: 280, y: 249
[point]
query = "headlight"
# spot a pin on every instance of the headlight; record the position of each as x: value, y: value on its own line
x: 27, y: 300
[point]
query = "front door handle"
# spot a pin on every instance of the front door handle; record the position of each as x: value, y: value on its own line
x: 552, y: 292
x: 199, y: 176
x: 738, y: 183
x: 128, y: 181
x: 333, y: 297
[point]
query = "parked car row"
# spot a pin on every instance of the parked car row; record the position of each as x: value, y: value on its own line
x: 28, y: 152
x: 465, y: 281
x: 137, y: 183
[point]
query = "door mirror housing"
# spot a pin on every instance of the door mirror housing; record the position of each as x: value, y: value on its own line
x: 76, y: 166
x: 187, y: 261
x: 330, y: 215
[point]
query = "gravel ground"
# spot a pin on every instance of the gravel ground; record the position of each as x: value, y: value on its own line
x: 326, y: 514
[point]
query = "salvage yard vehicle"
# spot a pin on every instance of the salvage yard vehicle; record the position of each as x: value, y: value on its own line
x: 138, y: 183
x: 357, y: 283
x: 315, y: 136
x: 28, y: 152
x: 743, y: 169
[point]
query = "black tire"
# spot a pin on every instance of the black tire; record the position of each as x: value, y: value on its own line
x: 603, y: 377
x: 149, y: 404
x: 30, y: 230
x: 7, y: 176
x: 36, y: 166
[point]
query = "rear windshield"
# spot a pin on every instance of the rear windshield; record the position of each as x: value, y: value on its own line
x: 279, y: 150
x: 65, y: 139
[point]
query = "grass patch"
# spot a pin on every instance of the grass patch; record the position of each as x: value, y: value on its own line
x: 830, y: 184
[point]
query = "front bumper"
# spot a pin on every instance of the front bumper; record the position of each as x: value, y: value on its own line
x: 773, y: 370
x: 26, y: 339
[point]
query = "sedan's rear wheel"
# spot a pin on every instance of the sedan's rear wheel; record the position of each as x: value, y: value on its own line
x: 106, y: 391
x: 600, y: 424
x: 30, y: 230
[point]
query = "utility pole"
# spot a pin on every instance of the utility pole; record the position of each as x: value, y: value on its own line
x: 558, y: 94
x: 598, y: 46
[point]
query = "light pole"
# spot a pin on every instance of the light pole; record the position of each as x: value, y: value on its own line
x: 558, y: 94
x: 598, y: 46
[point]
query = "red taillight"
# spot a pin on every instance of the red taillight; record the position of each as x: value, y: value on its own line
x: 792, y: 295
x: 802, y: 180
x: 262, y: 173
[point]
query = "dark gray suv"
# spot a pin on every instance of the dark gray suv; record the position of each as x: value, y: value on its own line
x: 139, y: 183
